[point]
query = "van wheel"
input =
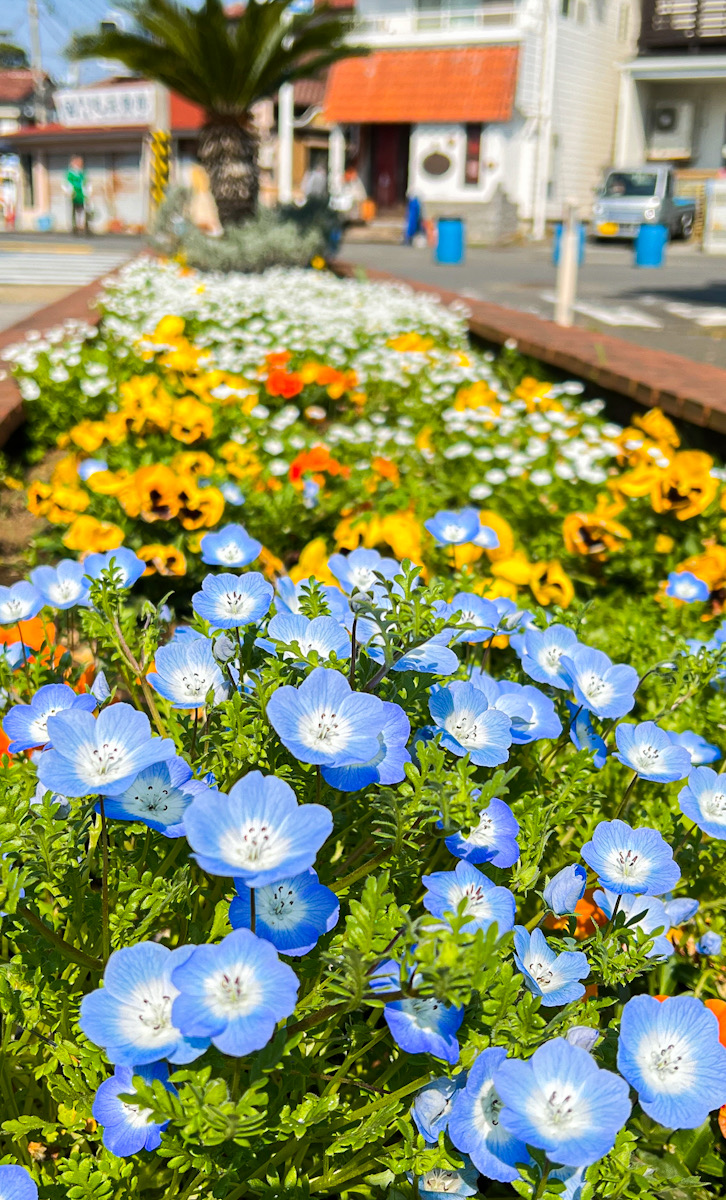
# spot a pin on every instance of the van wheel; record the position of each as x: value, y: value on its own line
x: 686, y: 226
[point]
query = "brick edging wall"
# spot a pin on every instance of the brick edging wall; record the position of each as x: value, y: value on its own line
x: 691, y: 391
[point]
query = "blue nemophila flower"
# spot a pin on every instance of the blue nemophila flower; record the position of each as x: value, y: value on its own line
x: 493, y: 839
x: 127, y: 1127
x: 681, y: 910
x: 650, y: 752
x: 11, y: 653
x: 388, y: 764
x: 670, y: 1052
x: 583, y: 736
x: 100, y: 688
x: 232, y: 494
x: 63, y: 586
x: 703, y: 801
x: 258, y: 833
x: 687, y: 587
x: 27, y: 724
x: 455, y: 528
x: 127, y: 566
x: 573, y: 1179
x: 17, y: 1184
x: 563, y: 891
x: 292, y: 913
x: 709, y: 944
x: 631, y: 860
x: 311, y: 491
x: 641, y: 912
x: 186, y: 672
x: 486, y: 904
x: 131, y: 1015
x: 433, y: 1104
x: 19, y: 602
x: 234, y: 993
x: 583, y: 1036
x: 231, y: 601
x: 551, y: 976
x: 89, y: 466
x: 605, y: 689
x: 542, y: 653
x: 474, y: 1125
x: 532, y: 714
x: 159, y: 796
x: 419, y: 1025
x: 231, y: 546
x: 561, y: 1102
x: 99, y: 755
x: 289, y: 595
x: 358, y: 571
x: 442, y: 1182
x: 324, y: 721
x: 430, y: 658
x: 324, y: 635
x: 700, y: 751
x: 469, y: 725
x: 469, y: 609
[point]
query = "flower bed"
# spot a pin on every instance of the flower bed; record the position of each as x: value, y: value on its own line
x: 369, y: 846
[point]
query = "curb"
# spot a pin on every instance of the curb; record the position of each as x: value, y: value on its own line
x: 692, y: 391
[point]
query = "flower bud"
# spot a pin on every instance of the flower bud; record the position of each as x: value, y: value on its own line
x: 563, y: 892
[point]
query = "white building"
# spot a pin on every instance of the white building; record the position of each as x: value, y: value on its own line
x: 673, y: 94
x: 497, y: 110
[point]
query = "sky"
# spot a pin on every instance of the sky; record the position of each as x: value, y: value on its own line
x: 58, y: 20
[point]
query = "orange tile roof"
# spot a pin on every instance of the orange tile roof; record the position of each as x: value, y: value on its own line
x: 470, y: 84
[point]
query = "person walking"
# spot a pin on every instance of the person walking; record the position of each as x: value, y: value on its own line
x: 76, y: 180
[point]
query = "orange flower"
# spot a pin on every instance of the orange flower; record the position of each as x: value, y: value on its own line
x: 271, y: 566
x: 199, y: 508
x: 718, y: 1008
x: 35, y: 634
x: 191, y: 420
x: 278, y: 358
x: 167, y: 560
x: 686, y: 487
x: 593, y: 536
x: 385, y: 469
x: 551, y: 584
x: 587, y: 914
x: 283, y: 383
x: 39, y: 498
x: 313, y: 561
x: 318, y: 458
x: 66, y: 471
x: 477, y: 395
x: 87, y: 534
x: 152, y: 494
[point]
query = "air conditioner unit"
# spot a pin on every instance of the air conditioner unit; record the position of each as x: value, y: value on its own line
x: 671, y: 130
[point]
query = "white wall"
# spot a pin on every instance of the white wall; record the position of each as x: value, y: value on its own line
x: 592, y: 42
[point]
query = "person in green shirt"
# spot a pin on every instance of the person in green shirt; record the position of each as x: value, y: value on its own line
x: 76, y: 179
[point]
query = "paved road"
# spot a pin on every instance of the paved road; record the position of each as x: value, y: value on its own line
x: 36, y: 270
x: 680, y: 307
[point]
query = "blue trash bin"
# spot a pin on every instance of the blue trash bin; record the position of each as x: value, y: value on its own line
x: 557, y: 244
x: 450, y: 242
x: 650, y: 245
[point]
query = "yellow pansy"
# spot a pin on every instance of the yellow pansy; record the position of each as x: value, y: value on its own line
x: 663, y: 544
x: 152, y: 493
x: 313, y: 561
x: 89, y: 535
x: 503, y: 530
x: 686, y: 487
x: 166, y: 560
x: 592, y: 535
x: 89, y: 435
x: 191, y: 420
x: 107, y: 483
x: 411, y: 343
x: 551, y: 584
x: 516, y: 569
x: 199, y: 508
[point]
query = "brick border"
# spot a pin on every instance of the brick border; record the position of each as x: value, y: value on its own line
x: 76, y: 306
x: 691, y: 391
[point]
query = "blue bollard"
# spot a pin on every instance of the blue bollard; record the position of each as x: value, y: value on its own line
x: 450, y: 243
x: 557, y: 244
x: 650, y: 245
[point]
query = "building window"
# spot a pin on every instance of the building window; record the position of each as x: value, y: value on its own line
x: 566, y: 7
x: 26, y: 170
x: 581, y: 12
x: 473, y: 155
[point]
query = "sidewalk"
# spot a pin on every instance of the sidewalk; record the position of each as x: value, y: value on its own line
x: 680, y: 308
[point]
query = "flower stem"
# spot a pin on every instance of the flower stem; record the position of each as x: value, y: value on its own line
x: 614, y: 914
x: 25, y: 656
x: 193, y: 746
x: 253, y: 912
x: 541, y: 1186
x: 106, y: 931
x: 77, y: 956
x: 623, y: 805
x: 353, y: 652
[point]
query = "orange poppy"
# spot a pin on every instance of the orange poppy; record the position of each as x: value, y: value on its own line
x: 283, y: 383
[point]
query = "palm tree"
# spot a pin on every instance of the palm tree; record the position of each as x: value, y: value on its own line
x: 224, y: 64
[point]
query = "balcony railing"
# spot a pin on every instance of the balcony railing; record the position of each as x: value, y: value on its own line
x: 453, y: 19
x: 695, y: 25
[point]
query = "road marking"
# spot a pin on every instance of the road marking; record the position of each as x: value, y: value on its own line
x: 39, y: 268
x: 617, y: 314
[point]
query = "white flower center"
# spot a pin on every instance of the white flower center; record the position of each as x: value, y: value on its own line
x: 596, y: 689
x: 39, y: 725
x: 194, y: 685
x: 230, y: 553
x: 549, y: 659
x: 14, y: 608
x: 483, y: 833
x: 466, y: 728
x: 440, y: 1180
x: 477, y: 902
x: 325, y: 730
x: 423, y: 1013
x: 559, y: 1110
x: 628, y: 865
x: 235, y: 992
x: 152, y: 795
x: 645, y: 757
x: 254, y: 846
x: 667, y: 1062
x: 145, y: 1019
x: 64, y: 589
x: 362, y: 579
x: 713, y: 806
x: 136, y: 1116
x: 106, y: 762
x: 280, y: 906
x: 453, y: 533
x: 236, y: 604
x: 487, y: 1109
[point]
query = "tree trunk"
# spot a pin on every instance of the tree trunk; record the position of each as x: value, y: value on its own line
x: 228, y: 150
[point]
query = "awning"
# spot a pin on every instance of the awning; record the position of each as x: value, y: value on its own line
x: 411, y: 86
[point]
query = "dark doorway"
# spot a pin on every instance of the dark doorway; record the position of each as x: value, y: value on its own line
x: 389, y: 164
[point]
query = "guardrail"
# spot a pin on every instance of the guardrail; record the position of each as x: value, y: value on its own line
x: 443, y: 20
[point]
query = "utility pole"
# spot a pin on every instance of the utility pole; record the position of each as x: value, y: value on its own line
x: 566, y: 288
x: 36, y: 63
